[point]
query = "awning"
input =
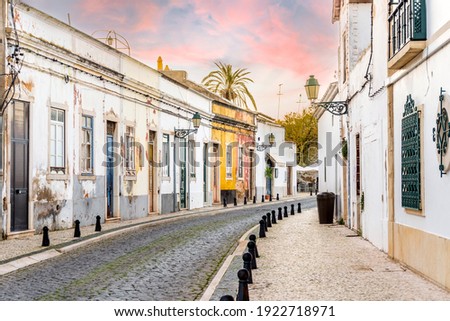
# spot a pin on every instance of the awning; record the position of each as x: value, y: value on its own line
x: 276, y: 159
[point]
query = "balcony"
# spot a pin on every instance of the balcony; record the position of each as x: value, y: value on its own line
x: 407, y: 31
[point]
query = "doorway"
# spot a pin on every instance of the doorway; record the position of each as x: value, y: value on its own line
x: 19, y: 166
x: 183, y: 176
x: 110, y: 129
x: 151, y: 171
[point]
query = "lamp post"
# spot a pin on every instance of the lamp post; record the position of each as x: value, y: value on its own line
x: 312, y: 91
x: 262, y: 147
x: 182, y: 133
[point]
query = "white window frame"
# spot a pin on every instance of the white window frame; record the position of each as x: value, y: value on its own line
x: 229, y: 161
x: 57, y: 155
x: 166, y: 155
x: 130, y: 152
x: 87, y: 166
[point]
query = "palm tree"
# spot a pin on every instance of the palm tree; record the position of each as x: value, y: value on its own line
x: 229, y: 84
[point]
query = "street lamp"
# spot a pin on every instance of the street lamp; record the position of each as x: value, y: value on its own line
x: 262, y: 147
x: 312, y: 91
x: 181, y: 132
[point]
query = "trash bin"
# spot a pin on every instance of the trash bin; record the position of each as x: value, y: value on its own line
x: 325, y: 207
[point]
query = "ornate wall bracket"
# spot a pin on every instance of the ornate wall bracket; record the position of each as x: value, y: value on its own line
x: 441, y: 133
x: 337, y: 108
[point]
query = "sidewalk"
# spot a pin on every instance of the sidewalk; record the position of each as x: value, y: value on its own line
x: 19, y: 252
x: 302, y: 260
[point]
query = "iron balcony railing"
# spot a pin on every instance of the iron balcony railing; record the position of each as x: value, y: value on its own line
x: 407, y: 22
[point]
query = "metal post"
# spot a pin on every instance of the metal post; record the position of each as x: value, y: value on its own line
x: 262, y: 228
x: 98, y: 227
x: 262, y: 198
x: 251, y: 246
x: 274, y: 219
x: 292, y: 209
x: 264, y: 218
x: 269, y: 220
x: 45, y: 238
x: 224, y: 202
x: 247, y: 258
x: 252, y: 237
x: 77, y: 232
x: 285, y: 212
x: 243, y: 285
x: 235, y: 201
x: 299, y: 208
x: 278, y: 196
x: 280, y: 214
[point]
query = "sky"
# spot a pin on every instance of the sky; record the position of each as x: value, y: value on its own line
x: 280, y: 42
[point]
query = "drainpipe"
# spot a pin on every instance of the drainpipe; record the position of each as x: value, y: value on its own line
x: 174, y: 174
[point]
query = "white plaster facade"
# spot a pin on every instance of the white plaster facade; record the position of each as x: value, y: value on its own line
x: 281, y: 156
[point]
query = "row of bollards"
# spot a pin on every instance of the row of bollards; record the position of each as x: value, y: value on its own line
x: 245, y: 275
x: 225, y: 203
x: 77, y: 230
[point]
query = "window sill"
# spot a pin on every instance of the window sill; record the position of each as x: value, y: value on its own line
x: 165, y: 178
x: 87, y: 177
x: 130, y: 178
x: 57, y: 177
x: 414, y: 212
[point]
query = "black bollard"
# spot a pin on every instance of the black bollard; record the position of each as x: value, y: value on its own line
x: 251, y: 246
x: 270, y: 197
x: 247, y: 258
x: 280, y: 214
x: 235, y: 201
x: 77, y: 232
x: 45, y: 238
x: 224, y: 202
x: 292, y: 209
x: 285, y: 212
x: 299, y: 208
x: 254, y: 199
x: 269, y: 220
x: 262, y: 198
x: 243, y: 285
x: 274, y: 219
x: 98, y: 227
x: 278, y: 196
x: 226, y: 297
x: 262, y: 228
x: 245, y: 200
x: 310, y: 192
x: 252, y: 237
x: 264, y: 218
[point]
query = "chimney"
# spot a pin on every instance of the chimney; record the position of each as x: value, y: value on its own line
x: 160, y: 64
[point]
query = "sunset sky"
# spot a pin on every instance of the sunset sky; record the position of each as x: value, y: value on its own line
x: 278, y: 41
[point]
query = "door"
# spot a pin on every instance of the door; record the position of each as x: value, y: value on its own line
x: 252, y: 171
x: 215, y: 174
x: 110, y: 170
x: 289, y: 180
x: 182, y: 173
x: 19, y: 167
x: 151, y: 171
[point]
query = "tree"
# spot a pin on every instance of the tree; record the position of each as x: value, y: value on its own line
x: 301, y: 128
x: 229, y: 84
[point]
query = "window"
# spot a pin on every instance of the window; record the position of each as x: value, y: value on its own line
x: 229, y: 161
x: 241, y: 162
x: 411, y: 169
x: 191, y: 158
x: 129, y: 151
x: 57, y: 133
x: 87, y: 145
x: 165, y: 156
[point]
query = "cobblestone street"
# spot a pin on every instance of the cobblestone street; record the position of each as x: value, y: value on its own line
x: 165, y: 261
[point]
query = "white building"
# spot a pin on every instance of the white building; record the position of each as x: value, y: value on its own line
x: 394, y: 73
x: 87, y: 130
x: 331, y: 161
x: 419, y: 103
x: 274, y: 164
x: 361, y: 82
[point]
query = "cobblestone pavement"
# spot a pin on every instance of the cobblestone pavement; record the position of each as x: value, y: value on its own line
x: 304, y: 260
x: 164, y: 261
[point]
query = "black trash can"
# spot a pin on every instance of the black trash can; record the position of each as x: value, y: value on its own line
x: 325, y: 207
